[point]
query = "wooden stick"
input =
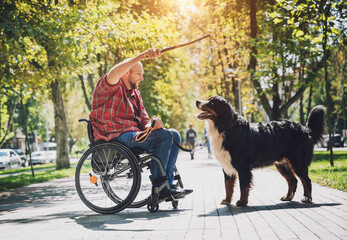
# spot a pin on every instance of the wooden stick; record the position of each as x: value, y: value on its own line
x: 184, y: 44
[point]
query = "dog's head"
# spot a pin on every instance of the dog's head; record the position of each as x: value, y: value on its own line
x: 214, y: 107
x: 218, y: 110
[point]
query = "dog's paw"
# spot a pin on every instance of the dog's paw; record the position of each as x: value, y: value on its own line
x: 306, y: 199
x: 286, y: 198
x: 239, y: 203
x: 225, y: 202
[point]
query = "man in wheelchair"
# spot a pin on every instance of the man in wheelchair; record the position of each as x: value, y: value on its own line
x: 118, y: 114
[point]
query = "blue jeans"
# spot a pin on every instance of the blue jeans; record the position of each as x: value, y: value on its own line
x: 163, y: 148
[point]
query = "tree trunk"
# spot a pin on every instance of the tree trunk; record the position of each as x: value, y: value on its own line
x: 276, y: 108
x: 61, y: 130
x: 276, y: 114
x: 27, y: 148
x: 309, y: 101
x: 253, y: 61
x: 85, y: 94
x: 72, y: 142
x: 327, y: 82
x: 91, y: 83
x: 237, y: 93
x: 302, y: 120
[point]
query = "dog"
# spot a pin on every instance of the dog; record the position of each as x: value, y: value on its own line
x: 241, y: 146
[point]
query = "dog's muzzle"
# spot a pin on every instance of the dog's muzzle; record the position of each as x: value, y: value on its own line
x: 206, y: 114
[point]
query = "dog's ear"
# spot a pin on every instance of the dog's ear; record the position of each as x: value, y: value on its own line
x: 235, y: 117
x: 230, y: 122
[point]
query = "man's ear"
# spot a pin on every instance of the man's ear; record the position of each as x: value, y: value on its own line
x: 125, y: 76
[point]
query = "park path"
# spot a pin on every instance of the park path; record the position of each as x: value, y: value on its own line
x: 53, y: 210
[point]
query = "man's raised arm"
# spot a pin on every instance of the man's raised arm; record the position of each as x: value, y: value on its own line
x: 121, y: 68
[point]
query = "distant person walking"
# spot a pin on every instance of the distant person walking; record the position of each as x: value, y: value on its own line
x: 190, y: 138
x: 205, y: 137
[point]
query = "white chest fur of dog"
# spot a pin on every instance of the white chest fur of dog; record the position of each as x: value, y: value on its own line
x: 223, y: 156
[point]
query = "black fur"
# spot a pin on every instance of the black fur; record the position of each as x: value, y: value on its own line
x: 252, y: 145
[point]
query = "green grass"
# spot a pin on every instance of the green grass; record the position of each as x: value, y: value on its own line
x: 322, y: 173
x: 25, y: 169
x: 25, y: 179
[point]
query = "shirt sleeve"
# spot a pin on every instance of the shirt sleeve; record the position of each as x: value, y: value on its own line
x: 103, y: 91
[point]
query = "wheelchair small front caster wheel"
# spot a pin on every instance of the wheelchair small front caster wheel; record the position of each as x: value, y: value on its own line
x: 153, y: 208
x: 174, y: 204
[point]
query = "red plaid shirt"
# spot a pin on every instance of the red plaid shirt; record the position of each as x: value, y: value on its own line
x: 115, y: 110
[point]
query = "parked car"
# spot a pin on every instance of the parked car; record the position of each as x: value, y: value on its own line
x: 9, y: 159
x: 43, y: 157
x: 337, y: 140
x: 23, y: 157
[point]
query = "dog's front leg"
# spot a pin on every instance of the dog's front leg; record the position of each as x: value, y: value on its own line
x: 229, y: 183
x: 245, y: 178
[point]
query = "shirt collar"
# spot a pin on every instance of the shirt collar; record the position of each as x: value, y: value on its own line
x: 129, y: 92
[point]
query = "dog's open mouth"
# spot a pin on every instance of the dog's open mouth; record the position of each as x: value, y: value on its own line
x: 205, y: 115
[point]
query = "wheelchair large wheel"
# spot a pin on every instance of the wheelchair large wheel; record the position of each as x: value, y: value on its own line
x: 107, y: 178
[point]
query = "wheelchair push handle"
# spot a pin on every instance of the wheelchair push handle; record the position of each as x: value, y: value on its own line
x: 89, y: 129
x: 84, y: 120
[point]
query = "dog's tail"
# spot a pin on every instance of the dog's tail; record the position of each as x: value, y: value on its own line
x: 316, y: 123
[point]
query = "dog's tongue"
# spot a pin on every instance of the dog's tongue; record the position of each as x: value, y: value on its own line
x: 203, y: 115
x: 198, y: 115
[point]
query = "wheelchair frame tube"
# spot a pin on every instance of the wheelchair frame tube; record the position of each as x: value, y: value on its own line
x: 162, y: 173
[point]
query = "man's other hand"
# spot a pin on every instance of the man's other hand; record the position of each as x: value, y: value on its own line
x: 158, y: 123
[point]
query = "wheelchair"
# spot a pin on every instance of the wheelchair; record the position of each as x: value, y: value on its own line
x: 110, y: 177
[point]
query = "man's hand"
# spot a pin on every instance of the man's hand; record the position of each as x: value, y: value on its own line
x: 152, y: 53
x: 158, y: 123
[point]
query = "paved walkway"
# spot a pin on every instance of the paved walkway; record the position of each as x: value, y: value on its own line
x: 53, y: 211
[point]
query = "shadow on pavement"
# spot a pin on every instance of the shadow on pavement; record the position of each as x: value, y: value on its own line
x: 234, y: 210
x: 42, y: 218
x: 32, y: 196
x: 110, y: 222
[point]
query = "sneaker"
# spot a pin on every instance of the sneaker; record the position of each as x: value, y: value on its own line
x: 186, y: 191
x: 167, y: 195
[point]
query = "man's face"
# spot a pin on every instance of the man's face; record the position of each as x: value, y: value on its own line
x: 135, y: 76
